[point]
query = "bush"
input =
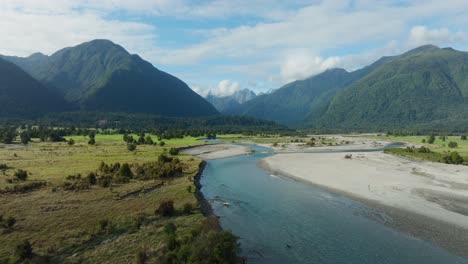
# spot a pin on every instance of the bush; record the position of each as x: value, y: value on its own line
x: 174, y: 151
x: 188, y: 207
x: 3, y: 167
x: 453, y: 144
x: 10, y: 222
x: 71, y: 142
x: 103, y: 224
x: 162, y: 143
x: 24, y: 250
x: 463, y: 137
x: 431, y: 139
x: 105, y: 181
x: 131, y: 146
x: 166, y: 208
x: 125, y: 171
x: 141, y: 257
x: 452, y: 158
x: 170, y: 229
x: 91, y: 178
x: 189, y: 188
x: 92, y: 141
x: 21, y: 175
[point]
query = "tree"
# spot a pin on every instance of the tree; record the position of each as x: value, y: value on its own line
x: 25, y: 139
x: 71, y: 142
x: 166, y: 208
x: 174, y: 151
x: 141, y: 139
x: 92, y: 139
x: 125, y: 137
x: 131, y: 146
x: 149, y: 140
x: 21, y: 175
x: 452, y: 144
x: 10, y: 222
x: 431, y: 139
x: 8, y: 135
x: 125, y: 171
x: 162, y: 143
x: 24, y: 250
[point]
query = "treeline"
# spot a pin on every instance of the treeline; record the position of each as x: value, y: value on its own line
x: 220, y: 124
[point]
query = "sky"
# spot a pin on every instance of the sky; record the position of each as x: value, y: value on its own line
x: 223, y: 46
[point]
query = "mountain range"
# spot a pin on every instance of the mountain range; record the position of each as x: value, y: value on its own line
x: 102, y: 76
x: 424, y: 87
x: 225, y: 104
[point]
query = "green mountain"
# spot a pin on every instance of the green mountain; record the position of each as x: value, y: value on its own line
x: 426, y: 87
x: 23, y: 96
x: 102, y: 76
x: 291, y: 103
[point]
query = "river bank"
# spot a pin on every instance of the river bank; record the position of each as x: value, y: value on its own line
x: 217, y: 151
x: 427, y: 200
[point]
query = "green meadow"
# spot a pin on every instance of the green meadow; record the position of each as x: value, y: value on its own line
x: 96, y: 225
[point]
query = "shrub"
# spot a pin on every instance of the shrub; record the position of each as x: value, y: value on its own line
x: 105, y: 181
x: 423, y: 140
x: 166, y: 208
x: 91, y: 178
x: 3, y: 167
x: 71, y: 142
x: 141, y: 257
x: 188, y: 207
x: 174, y: 151
x: 131, y: 146
x: 170, y: 229
x: 452, y: 158
x: 348, y: 156
x: 452, y: 144
x: 162, y: 143
x: 21, y: 175
x: 92, y: 141
x: 431, y: 139
x: 189, y: 188
x: 125, y: 171
x: 103, y: 224
x: 24, y: 250
x: 148, y: 140
x: 423, y: 149
x: 10, y: 222
x: 463, y: 137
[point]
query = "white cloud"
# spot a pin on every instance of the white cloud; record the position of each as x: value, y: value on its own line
x: 223, y: 88
x: 301, y: 65
x: 421, y: 35
x: 283, y: 40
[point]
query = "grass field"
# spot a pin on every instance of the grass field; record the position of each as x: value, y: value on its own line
x: 439, y: 146
x: 66, y: 224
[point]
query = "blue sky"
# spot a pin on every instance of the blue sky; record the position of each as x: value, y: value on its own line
x: 223, y: 46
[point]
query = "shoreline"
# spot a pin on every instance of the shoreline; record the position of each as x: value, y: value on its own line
x: 217, y: 151
x: 205, y: 206
x: 447, y: 235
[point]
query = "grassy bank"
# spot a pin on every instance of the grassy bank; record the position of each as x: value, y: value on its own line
x: 438, y: 149
x: 117, y: 224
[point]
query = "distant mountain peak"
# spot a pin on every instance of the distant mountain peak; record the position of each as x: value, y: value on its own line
x: 420, y: 49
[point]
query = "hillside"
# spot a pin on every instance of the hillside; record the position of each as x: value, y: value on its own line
x: 425, y: 86
x: 291, y: 103
x: 102, y: 76
x: 23, y: 96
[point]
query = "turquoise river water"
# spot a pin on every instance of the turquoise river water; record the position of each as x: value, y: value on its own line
x: 280, y: 220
